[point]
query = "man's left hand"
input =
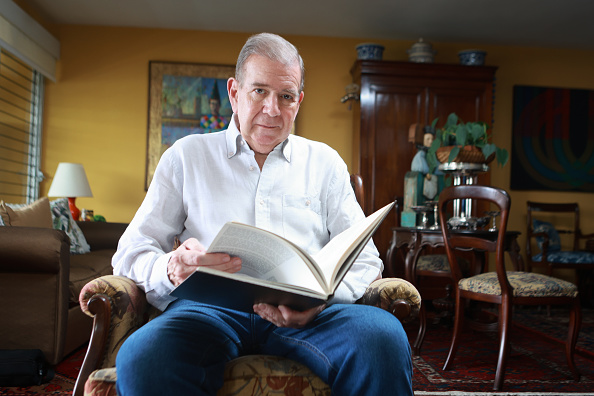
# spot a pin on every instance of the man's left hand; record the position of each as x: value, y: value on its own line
x: 283, y: 316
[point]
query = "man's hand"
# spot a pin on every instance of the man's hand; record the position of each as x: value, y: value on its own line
x: 283, y: 316
x: 191, y: 255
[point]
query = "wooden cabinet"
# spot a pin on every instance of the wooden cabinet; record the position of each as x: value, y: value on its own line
x: 395, y: 95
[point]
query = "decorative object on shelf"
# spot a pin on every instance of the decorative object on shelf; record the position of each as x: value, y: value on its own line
x: 421, y: 52
x: 472, y: 57
x: 87, y: 215
x: 457, y: 135
x: 463, y: 173
x: 70, y: 181
x: 352, y: 93
x: 370, y: 51
x: 424, y: 210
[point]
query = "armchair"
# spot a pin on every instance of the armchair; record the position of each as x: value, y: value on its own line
x: 562, y: 225
x: 119, y: 308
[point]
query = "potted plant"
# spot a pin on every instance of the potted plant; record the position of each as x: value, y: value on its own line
x: 458, y: 141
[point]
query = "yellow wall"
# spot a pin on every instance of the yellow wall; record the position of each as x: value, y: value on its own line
x: 96, y: 113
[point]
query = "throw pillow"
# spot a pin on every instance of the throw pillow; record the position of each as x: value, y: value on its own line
x: 36, y: 214
x: 63, y: 221
x: 549, y: 229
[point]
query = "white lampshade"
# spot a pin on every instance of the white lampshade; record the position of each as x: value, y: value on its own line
x: 70, y: 180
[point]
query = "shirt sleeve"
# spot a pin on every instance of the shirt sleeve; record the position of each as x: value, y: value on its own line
x: 144, y: 248
x: 344, y: 211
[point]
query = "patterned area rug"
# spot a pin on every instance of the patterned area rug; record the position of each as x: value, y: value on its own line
x: 536, y: 364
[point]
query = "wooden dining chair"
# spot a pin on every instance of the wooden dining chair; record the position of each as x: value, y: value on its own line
x: 554, y: 239
x: 501, y: 287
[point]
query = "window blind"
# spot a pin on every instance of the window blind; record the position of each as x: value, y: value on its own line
x: 21, y: 93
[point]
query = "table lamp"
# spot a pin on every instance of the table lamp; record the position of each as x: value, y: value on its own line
x: 70, y: 181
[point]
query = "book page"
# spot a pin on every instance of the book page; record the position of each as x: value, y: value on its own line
x: 265, y: 256
x: 340, y: 248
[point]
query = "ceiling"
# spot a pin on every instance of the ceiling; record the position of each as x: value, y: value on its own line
x: 540, y: 23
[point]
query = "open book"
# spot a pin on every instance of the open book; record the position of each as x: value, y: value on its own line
x: 275, y: 270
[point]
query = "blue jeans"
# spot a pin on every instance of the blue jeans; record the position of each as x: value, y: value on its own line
x: 356, y: 349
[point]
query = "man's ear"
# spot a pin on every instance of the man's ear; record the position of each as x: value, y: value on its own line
x: 232, y: 87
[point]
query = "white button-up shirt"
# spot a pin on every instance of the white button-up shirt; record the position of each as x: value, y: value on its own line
x: 303, y: 193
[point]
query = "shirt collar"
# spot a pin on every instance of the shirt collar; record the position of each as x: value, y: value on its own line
x: 234, y: 139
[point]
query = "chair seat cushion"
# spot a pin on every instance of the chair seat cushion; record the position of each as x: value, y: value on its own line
x: 248, y: 375
x: 525, y: 284
x: 433, y: 263
x: 440, y: 263
x: 567, y: 257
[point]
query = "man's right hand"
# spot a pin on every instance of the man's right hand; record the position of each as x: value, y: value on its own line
x: 191, y: 254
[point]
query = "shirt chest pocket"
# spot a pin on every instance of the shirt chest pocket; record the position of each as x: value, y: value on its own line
x: 303, y: 222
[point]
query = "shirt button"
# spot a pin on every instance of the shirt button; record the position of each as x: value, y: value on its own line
x: 230, y: 153
x: 252, y: 167
x: 308, y: 202
x: 261, y: 202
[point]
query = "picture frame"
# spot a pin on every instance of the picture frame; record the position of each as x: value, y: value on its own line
x: 183, y: 101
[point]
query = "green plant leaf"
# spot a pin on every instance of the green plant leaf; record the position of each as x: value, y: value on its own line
x: 488, y: 149
x: 452, y: 120
x: 432, y: 161
x: 461, y: 135
x: 477, y: 132
x: 434, y: 122
x: 454, y: 153
x: 502, y: 156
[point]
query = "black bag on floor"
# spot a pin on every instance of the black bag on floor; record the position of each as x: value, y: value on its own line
x: 24, y: 367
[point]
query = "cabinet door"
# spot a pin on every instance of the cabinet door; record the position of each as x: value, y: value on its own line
x: 395, y: 95
x: 386, y: 153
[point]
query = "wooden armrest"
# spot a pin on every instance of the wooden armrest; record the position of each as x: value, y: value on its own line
x: 394, y: 295
x: 119, y: 308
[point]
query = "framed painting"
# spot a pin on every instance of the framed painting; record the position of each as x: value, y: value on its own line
x: 184, y: 99
x: 553, y: 139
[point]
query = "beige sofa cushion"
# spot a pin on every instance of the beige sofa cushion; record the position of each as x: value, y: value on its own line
x: 36, y: 214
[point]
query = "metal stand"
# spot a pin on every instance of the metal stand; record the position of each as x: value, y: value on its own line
x: 463, y: 173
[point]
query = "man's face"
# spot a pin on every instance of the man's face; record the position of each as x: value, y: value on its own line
x: 266, y: 102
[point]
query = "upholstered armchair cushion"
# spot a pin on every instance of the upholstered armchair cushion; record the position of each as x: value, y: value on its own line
x: 566, y: 257
x: 127, y: 310
x: 544, y: 227
x: 525, y: 284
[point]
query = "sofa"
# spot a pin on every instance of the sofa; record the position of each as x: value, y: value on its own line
x: 41, y: 279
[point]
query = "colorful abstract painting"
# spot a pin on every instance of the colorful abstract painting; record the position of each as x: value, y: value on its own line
x: 553, y: 139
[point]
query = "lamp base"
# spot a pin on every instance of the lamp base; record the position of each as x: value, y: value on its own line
x: 74, y: 211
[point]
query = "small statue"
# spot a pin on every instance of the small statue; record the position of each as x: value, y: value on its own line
x: 419, y: 164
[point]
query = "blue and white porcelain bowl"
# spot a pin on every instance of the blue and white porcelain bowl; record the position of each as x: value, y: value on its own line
x: 370, y: 51
x: 472, y: 57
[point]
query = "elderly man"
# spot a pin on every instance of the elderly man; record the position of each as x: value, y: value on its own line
x: 257, y: 173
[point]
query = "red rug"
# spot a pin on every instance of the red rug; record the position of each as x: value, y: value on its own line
x: 536, y: 364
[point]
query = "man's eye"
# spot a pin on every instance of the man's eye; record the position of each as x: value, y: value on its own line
x: 259, y: 91
x: 287, y: 97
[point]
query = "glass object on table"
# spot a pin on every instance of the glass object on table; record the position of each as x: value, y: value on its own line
x: 493, y: 214
x: 423, y: 209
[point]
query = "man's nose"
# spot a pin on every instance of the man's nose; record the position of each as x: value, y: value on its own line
x: 271, y: 106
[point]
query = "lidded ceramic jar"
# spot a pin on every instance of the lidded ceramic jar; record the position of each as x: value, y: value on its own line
x: 370, y: 51
x: 421, y: 52
x: 472, y: 57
